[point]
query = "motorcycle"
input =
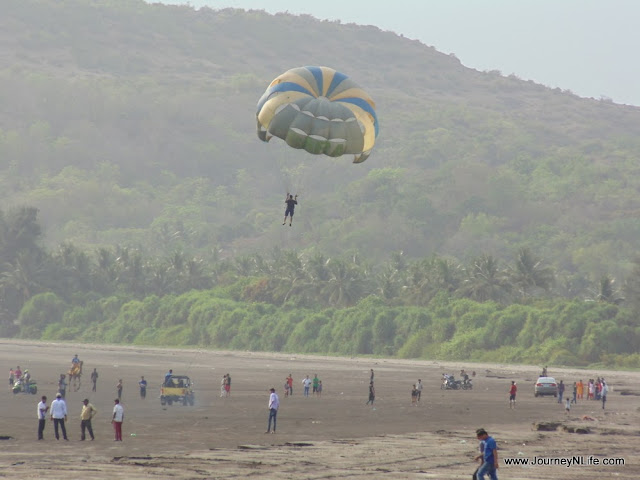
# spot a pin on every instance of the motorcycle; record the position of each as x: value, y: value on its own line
x: 451, y: 383
x: 19, y: 387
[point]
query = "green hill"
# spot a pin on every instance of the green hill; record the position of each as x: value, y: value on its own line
x: 131, y: 124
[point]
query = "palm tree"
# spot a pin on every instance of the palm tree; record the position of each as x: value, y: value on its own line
x: 290, y: 276
x: 162, y: 278
x: 20, y: 232
x: 426, y: 277
x: 388, y: 283
x: 177, y: 262
x: 74, y: 270
x: 132, y: 277
x: 607, y: 292
x: 19, y: 282
x: 345, y: 285
x: 445, y: 274
x: 244, y: 265
x: 485, y: 281
x: 528, y: 274
x: 195, y: 277
x: 418, y: 288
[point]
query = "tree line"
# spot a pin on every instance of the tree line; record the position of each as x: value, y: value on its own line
x: 290, y: 301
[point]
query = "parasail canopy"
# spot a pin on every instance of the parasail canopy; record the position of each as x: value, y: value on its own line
x: 319, y: 110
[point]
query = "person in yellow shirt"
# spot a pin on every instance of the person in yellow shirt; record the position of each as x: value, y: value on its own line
x: 88, y: 412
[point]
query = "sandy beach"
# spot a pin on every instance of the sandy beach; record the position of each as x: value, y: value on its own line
x: 335, y: 435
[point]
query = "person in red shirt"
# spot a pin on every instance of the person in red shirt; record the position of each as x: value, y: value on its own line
x: 512, y: 395
x: 290, y: 384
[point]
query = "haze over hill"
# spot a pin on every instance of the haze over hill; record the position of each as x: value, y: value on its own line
x: 128, y: 123
x: 584, y: 47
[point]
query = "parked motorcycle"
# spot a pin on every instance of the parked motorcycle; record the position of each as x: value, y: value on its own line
x: 450, y: 383
x: 19, y: 387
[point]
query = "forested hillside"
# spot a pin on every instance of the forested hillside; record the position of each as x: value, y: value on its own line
x: 130, y: 167
x: 124, y: 123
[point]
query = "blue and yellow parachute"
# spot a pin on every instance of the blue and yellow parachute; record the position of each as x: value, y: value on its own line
x: 319, y: 110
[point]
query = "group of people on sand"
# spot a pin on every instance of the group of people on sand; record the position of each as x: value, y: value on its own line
x: 311, y: 386
x: 596, y: 390
x: 19, y: 379
x: 57, y: 411
x: 58, y: 414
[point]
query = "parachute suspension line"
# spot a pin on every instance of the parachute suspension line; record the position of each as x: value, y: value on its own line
x: 293, y: 175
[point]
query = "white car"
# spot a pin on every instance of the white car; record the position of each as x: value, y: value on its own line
x: 546, y: 386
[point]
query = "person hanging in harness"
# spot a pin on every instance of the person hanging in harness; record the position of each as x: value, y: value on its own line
x: 291, y: 202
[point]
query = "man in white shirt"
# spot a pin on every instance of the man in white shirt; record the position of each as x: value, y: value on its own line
x: 43, y: 408
x: 419, y: 388
x: 118, y: 418
x: 274, y: 403
x: 306, y: 383
x: 59, y: 416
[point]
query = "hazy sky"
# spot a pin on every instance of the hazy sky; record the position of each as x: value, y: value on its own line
x: 587, y: 46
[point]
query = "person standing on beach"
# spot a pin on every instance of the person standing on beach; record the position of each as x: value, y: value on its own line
x: 603, y: 393
x: 43, y: 408
x: 59, y: 416
x: 143, y: 387
x: 117, y: 419
x: 274, y: 404
x: 306, y: 383
x: 580, y: 390
x: 419, y: 388
x: 223, y: 386
x: 94, y: 380
x: 62, y: 386
x: 372, y: 394
x: 227, y: 387
x: 119, y: 389
x: 512, y: 394
x: 560, y: 391
x: 290, y: 383
x: 88, y: 412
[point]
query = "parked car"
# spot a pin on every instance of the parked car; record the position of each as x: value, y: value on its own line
x: 546, y: 386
